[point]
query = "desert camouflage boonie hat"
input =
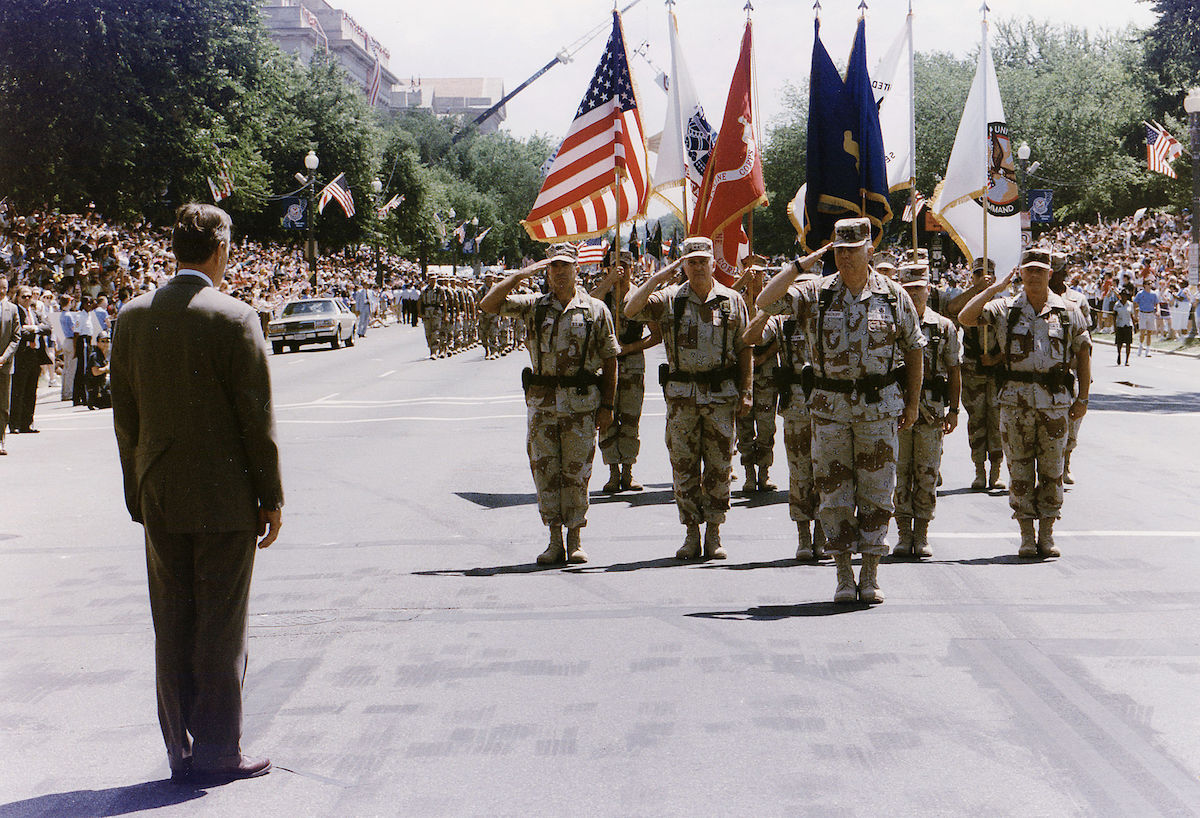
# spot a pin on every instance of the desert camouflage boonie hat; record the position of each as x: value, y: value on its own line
x: 563, y: 252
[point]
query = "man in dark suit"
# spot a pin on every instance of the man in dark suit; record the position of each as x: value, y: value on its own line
x: 28, y: 360
x: 192, y: 411
x: 10, y: 339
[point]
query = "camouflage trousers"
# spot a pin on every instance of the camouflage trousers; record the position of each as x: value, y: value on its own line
x: 700, y: 446
x: 1034, y: 440
x: 756, y: 430
x: 1072, y: 435
x: 433, y: 332
x: 797, y: 442
x: 561, y: 447
x: 489, y: 332
x: 983, y: 416
x: 917, y: 465
x: 854, y: 468
x: 622, y: 442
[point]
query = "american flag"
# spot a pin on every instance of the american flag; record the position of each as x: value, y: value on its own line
x: 592, y: 252
x: 581, y: 196
x: 392, y: 204
x: 1161, y: 149
x: 376, y: 81
x: 223, y: 188
x: 338, y: 190
x: 911, y: 212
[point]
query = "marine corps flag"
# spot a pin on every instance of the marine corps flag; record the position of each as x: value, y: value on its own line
x: 598, y: 177
x: 733, y: 181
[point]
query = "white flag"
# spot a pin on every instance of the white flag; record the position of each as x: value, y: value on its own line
x: 687, y: 138
x: 982, y: 160
x: 892, y: 79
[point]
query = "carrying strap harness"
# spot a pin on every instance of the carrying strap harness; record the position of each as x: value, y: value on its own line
x: 715, y: 377
x: 1057, y: 379
x: 582, y: 379
x: 869, y: 385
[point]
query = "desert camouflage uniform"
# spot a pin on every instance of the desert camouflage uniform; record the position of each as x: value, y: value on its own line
x: 700, y: 416
x: 797, y: 422
x: 920, y: 446
x: 1079, y: 300
x: 1033, y: 417
x: 429, y: 307
x: 854, y: 438
x: 756, y: 429
x: 620, y: 444
x: 488, y: 326
x: 562, y: 420
x: 979, y: 398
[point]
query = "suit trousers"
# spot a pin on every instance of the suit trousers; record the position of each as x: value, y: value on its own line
x: 5, y: 394
x: 199, y: 595
x: 26, y: 372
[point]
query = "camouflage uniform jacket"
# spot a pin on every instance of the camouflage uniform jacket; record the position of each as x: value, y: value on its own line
x: 859, y: 336
x: 1036, y: 342
x: 557, y: 345
x: 943, y: 350
x: 793, y: 356
x: 1080, y: 302
x: 706, y: 336
x: 428, y: 303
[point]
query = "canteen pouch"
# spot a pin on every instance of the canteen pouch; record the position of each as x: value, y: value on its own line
x: 664, y: 375
x: 526, y: 377
x: 807, y: 374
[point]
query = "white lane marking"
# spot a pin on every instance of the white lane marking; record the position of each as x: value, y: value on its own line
x: 1008, y: 535
x: 330, y: 396
x: 389, y: 372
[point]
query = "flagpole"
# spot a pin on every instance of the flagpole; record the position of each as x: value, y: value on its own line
x: 986, y: 167
x: 687, y: 219
x: 862, y: 170
x: 912, y: 121
x: 749, y: 7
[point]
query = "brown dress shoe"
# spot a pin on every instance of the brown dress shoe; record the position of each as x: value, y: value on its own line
x: 245, y: 768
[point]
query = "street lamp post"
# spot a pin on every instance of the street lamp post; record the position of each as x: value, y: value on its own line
x: 311, y: 161
x: 1191, y: 104
x: 1023, y: 153
x: 376, y: 187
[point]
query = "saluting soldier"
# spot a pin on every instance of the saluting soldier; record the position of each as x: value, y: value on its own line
x: 786, y: 334
x: 863, y: 333
x: 979, y: 385
x: 1043, y: 339
x: 621, y: 442
x: 756, y: 428
x: 568, y: 390
x: 1058, y: 284
x: 920, y: 454
x: 706, y: 382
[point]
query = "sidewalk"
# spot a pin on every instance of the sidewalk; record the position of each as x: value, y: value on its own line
x: 1178, y: 346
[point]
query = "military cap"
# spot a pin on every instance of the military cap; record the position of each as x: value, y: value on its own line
x: 914, y: 275
x: 626, y: 257
x: 1036, y: 257
x: 979, y: 264
x: 563, y: 252
x: 697, y: 247
x: 1058, y: 262
x: 886, y: 266
x: 851, y: 232
x: 754, y: 261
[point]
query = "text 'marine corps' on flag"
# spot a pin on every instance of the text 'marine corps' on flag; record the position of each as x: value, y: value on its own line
x: 599, y: 176
x: 1161, y: 149
x: 338, y: 191
x: 733, y: 182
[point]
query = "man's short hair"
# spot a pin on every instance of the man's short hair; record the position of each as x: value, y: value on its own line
x: 199, y: 230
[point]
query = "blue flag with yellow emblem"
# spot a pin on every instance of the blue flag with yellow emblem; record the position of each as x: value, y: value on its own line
x: 846, y: 172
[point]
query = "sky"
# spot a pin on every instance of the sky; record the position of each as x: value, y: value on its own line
x: 512, y: 39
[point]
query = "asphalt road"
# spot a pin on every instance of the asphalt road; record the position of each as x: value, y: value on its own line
x: 409, y: 659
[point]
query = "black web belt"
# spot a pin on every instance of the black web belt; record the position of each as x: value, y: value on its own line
x: 868, y: 385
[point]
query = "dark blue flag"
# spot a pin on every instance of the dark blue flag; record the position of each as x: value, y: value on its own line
x: 295, y: 213
x: 1041, y: 206
x: 872, y: 165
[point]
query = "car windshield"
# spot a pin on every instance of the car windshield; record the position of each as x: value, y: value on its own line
x: 309, y: 308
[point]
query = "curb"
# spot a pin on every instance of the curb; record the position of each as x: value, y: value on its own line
x: 1189, y: 352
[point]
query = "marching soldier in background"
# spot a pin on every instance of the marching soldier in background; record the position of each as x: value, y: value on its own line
x: 1042, y: 339
x: 979, y: 385
x: 865, y: 340
x: 621, y: 442
x: 489, y: 325
x: 920, y: 454
x: 786, y: 335
x: 1058, y: 284
x: 431, y: 311
x: 706, y: 382
x: 571, y: 341
x: 756, y: 428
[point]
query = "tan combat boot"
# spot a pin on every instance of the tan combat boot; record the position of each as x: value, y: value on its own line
x: 614, y: 480
x: 575, y: 552
x: 818, y: 541
x: 846, y: 591
x: 712, y: 542
x: 764, y: 482
x: 994, y: 481
x: 980, y: 481
x: 1067, y: 478
x: 555, y: 552
x: 751, y: 480
x: 804, y: 551
x: 627, y: 481
x: 904, y: 537
x: 868, y: 581
x: 1029, y: 546
x: 1045, y: 540
x: 920, y: 539
x: 690, y: 550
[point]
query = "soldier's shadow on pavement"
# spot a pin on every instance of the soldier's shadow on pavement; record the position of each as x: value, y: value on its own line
x: 788, y: 562
x: 1155, y: 404
x: 773, y: 613
x: 524, y: 568
x: 757, y: 499
x: 620, y: 567
x: 112, y: 801
x: 664, y: 495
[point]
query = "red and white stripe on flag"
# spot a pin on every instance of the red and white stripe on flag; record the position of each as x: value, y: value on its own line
x: 339, y: 192
x: 376, y: 81
x: 909, y: 210
x: 599, y: 176
x: 592, y: 252
x: 1161, y: 150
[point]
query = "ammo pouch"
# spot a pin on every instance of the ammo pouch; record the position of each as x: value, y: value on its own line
x: 869, y: 386
x: 1055, y: 380
x: 713, y: 377
x: 580, y: 382
x: 785, y: 379
x: 938, y: 388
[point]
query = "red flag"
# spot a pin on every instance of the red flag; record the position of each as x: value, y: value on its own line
x: 733, y: 181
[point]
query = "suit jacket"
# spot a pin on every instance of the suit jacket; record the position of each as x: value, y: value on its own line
x: 29, y: 351
x: 191, y: 396
x: 10, y: 335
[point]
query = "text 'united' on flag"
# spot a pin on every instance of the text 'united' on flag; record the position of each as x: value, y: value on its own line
x: 599, y: 177
x: 339, y: 192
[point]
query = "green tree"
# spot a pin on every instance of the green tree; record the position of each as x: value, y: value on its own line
x: 1172, y: 56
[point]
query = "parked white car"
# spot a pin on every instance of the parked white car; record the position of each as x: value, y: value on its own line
x: 311, y: 321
